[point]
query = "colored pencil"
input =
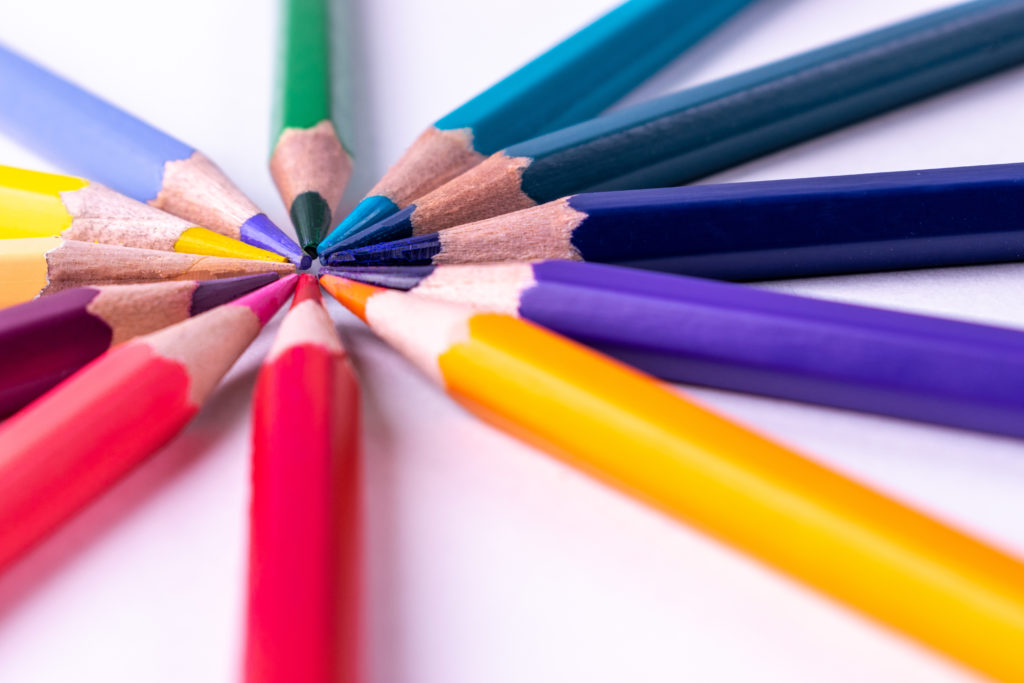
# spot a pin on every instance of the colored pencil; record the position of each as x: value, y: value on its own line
x: 73, y: 443
x: 44, y: 341
x: 36, y: 204
x: 36, y: 266
x: 91, y: 137
x: 892, y: 563
x: 571, y: 82
x: 304, y: 532
x: 679, y: 137
x: 744, y: 339
x: 751, y: 231
x: 311, y: 158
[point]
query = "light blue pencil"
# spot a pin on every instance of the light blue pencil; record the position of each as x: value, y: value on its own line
x: 91, y: 137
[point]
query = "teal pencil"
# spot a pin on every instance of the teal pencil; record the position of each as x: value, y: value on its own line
x: 574, y: 80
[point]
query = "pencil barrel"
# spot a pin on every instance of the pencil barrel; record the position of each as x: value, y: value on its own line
x: 886, y: 560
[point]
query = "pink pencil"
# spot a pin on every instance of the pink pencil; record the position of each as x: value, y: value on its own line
x: 69, y: 446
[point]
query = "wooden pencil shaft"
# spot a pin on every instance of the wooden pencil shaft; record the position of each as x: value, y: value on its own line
x: 34, y: 204
x: 38, y: 266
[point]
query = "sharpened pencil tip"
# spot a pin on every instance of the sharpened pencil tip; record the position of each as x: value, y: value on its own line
x: 307, y: 289
x: 266, y: 301
x: 412, y: 251
x: 212, y: 293
x: 392, y: 277
x: 366, y: 213
x: 199, y: 240
x: 395, y: 227
x: 352, y: 295
x: 311, y: 216
x: 260, y: 231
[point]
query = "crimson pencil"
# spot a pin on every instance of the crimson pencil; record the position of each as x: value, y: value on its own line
x: 76, y: 441
x: 45, y: 340
x: 304, y: 534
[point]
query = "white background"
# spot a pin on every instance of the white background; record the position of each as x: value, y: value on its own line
x: 489, y: 561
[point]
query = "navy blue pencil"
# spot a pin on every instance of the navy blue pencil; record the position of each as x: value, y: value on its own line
x: 752, y: 231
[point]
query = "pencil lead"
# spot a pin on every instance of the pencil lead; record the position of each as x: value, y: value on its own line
x: 392, y: 277
x: 368, y: 212
x: 306, y: 289
x: 311, y: 216
x: 266, y: 301
x: 412, y: 251
x: 350, y: 294
x: 199, y: 240
x: 212, y: 293
x: 395, y: 227
x: 262, y: 232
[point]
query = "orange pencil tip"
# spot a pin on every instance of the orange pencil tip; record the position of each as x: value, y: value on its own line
x: 352, y: 295
x: 306, y: 289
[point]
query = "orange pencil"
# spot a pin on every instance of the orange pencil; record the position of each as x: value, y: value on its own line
x: 304, y: 532
x: 947, y: 590
x: 76, y: 441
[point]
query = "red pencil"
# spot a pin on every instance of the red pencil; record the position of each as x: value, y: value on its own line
x: 74, y: 442
x: 304, y: 534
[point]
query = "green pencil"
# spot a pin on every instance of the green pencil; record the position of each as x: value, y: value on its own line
x: 310, y: 160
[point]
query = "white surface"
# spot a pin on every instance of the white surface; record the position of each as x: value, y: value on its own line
x: 490, y: 562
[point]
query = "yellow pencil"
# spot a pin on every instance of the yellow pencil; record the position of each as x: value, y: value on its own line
x: 35, y: 266
x: 947, y: 590
x: 35, y: 204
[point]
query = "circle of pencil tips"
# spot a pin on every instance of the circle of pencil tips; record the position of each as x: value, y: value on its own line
x: 486, y: 256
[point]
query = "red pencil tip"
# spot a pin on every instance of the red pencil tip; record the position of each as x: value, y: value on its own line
x: 265, y: 301
x: 306, y: 290
x: 352, y: 295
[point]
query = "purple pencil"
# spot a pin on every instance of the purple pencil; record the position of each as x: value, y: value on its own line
x: 45, y: 340
x: 736, y: 337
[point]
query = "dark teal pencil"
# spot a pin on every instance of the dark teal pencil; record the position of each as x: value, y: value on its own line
x: 679, y: 137
x: 798, y: 227
x: 574, y: 80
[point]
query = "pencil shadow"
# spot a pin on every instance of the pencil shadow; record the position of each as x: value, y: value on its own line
x: 733, y: 31
x: 353, y: 94
x: 384, y: 660
x: 44, y: 562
